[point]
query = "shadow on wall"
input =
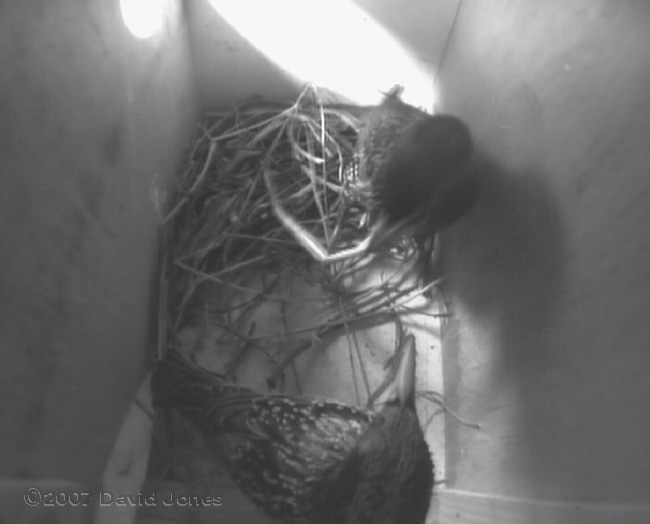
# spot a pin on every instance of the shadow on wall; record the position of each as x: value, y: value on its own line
x: 506, y: 263
x: 505, y: 268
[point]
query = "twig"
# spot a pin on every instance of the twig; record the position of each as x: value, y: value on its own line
x: 436, y: 398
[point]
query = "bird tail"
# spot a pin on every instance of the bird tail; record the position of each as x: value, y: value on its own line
x: 202, y: 396
x: 176, y: 382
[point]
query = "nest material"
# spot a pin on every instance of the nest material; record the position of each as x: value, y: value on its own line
x: 221, y: 229
x: 225, y: 256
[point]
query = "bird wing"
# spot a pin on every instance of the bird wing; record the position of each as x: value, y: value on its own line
x: 277, y: 448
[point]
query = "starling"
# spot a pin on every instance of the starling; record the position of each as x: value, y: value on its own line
x: 305, y: 461
x: 415, y: 170
x: 414, y: 175
x: 413, y: 167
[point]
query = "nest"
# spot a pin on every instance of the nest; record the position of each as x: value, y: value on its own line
x: 222, y: 231
x: 225, y: 257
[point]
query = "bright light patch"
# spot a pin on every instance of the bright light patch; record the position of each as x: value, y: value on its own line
x: 331, y: 43
x: 145, y: 18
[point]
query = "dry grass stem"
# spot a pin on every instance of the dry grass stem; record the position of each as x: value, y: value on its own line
x: 222, y: 234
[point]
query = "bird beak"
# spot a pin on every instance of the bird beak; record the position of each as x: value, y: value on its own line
x: 404, y: 385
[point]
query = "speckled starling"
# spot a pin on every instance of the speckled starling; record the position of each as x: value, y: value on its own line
x: 309, y: 461
x: 414, y: 174
x: 414, y: 167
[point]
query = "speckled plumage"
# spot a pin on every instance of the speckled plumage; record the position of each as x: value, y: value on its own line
x: 415, y: 173
x: 306, y: 461
x: 415, y: 166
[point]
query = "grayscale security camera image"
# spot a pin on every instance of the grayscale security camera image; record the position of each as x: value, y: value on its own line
x: 324, y: 262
